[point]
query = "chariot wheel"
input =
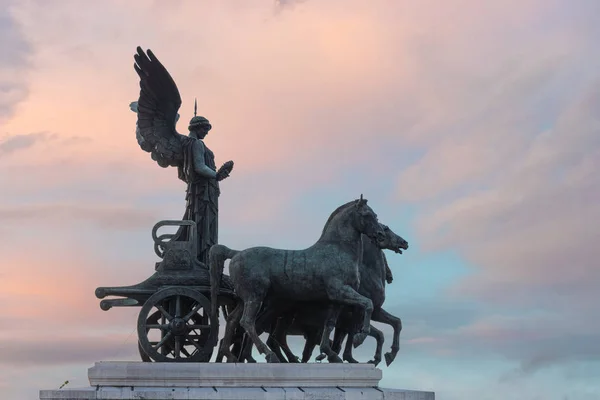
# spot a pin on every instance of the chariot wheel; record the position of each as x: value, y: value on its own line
x: 151, y: 320
x: 175, y: 324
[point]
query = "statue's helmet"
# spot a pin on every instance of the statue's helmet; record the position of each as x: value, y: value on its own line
x: 199, y: 121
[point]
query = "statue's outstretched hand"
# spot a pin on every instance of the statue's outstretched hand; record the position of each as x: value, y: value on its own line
x: 224, y: 171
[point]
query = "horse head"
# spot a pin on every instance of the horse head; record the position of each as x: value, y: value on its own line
x: 391, y: 241
x: 365, y: 220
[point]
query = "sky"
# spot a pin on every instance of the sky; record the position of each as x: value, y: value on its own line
x: 471, y: 127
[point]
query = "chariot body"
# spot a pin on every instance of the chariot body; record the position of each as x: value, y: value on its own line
x: 174, y: 323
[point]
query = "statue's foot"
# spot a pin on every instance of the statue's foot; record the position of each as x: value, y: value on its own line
x: 359, y: 338
x: 320, y: 357
x: 272, y: 358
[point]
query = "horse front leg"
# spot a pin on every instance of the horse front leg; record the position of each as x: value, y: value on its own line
x: 375, y: 334
x: 332, y: 316
x: 346, y: 295
x: 380, y: 315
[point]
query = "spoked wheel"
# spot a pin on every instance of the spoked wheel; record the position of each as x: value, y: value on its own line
x: 175, y: 325
x: 151, y: 320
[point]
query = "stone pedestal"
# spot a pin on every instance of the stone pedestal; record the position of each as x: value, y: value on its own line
x: 199, y: 381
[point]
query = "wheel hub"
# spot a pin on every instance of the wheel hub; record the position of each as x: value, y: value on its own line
x: 178, y: 326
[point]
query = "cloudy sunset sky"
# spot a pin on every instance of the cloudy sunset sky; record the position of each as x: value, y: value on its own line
x: 473, y: 128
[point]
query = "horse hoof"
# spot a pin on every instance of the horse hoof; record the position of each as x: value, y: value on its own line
x: 375, y: 362
x: 272, y: 358
x: 359, y: 338
x: 389, y: 358
x: 351, y: 360
x: 320, y: 357
x: 334, y: 358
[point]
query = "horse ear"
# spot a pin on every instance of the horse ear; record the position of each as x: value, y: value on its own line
x: 361, y: 202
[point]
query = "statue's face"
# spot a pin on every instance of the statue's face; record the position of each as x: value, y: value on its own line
x: 199, y: 132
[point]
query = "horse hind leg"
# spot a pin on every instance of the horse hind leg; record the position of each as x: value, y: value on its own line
x: 348, y: 356
x: 338, y: 339
x: 274, y: 341
x: 238, y: 343
x: 248, y: 322
x: 246, y: 352
x: 312, y: 339
x: 233, y: 323
x: 379, y: 337
x: 280, y: 334
x: 220, y: 354
x: 330, y: 322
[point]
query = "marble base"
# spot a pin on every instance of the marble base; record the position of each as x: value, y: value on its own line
x: 197, y: 381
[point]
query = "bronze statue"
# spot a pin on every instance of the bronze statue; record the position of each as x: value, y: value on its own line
x: 318, y: 287
x: 157, y: 115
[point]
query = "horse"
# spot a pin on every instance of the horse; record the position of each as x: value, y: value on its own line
x: 325, y: 272
x: 307, y: 321
x: 372, y: 285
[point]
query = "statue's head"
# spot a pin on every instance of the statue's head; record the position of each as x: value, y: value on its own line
x: 199, y: 127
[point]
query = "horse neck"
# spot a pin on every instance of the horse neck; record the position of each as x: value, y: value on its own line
x: 340, y: 229
x: 373, y: 259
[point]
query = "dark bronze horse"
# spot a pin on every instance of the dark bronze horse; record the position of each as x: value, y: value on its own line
x: 308, y: 320
x: 327, y: 272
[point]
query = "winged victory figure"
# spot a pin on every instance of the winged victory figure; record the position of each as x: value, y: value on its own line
x: 156, y: 134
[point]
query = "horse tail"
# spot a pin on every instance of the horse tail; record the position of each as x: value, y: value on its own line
x: 217, y: 255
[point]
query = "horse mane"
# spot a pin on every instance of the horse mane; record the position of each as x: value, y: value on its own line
x: 333, y: 214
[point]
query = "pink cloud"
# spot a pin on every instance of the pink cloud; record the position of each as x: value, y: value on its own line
x: 532, y: 227
x: 298, y: 98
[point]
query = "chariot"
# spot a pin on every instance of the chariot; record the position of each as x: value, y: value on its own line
x: 174, y: 323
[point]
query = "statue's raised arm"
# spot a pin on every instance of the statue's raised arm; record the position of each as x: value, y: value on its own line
x: 156, y: 110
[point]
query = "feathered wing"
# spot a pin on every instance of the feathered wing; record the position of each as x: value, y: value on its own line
x: 157, y: 111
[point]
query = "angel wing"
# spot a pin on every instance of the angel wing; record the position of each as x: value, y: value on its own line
x: 157, y: 111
